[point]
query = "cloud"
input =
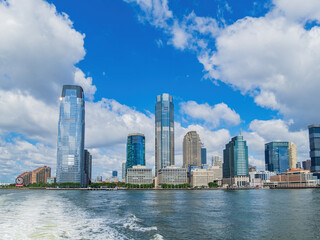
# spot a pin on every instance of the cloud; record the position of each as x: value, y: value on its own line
x: 38, y: 48
x: 210, y: 115
x: 273, y: 58
x: 263, y: 132
x: 86, y: 83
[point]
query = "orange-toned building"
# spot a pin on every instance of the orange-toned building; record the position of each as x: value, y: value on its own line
x: 27, y: 178
x: 294, y: 177
x: 41, y: 174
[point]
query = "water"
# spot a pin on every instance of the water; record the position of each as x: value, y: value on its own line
x: 242, y: 214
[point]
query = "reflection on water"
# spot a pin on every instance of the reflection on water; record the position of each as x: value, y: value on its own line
x: 252, y: 214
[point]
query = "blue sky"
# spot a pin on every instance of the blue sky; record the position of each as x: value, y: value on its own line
x: 230, y: 65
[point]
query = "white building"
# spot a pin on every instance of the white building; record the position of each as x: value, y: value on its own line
x: 201, y: 177
x: 139, y: 175
x: 172, y: 175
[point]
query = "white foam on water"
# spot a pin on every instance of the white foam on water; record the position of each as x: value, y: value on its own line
x: 157, y: 237
x: 133, y: 223
x: 50, y: 216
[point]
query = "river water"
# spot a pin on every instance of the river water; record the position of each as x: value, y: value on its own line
x: 172, y: 214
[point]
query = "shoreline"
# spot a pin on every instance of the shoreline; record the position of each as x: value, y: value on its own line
x: 154, y: 189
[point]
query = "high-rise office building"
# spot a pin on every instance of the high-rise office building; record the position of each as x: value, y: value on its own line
x: 164, y: 132
x: 191, y: 149
x: 306, y: 164
x: 135, y: 150
x: 70, y: 147
x: 292, y: 155
x: 314, y: 140
x: 280, y: 156
x: 203, y: 155
x: 235, y: 162
x: 114, y: 173
x: 88, y: 166
x: 123, y: 171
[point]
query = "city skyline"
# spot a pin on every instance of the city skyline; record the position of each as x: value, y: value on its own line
x: 203, y: 54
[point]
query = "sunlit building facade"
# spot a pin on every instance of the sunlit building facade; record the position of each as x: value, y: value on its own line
x: 164, y: 132
x: 191, y: 149
x: 70, y: 147
x: 280, y: 156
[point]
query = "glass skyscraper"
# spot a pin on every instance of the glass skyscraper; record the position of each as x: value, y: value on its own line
x: 314, y: 140
x: 203, y: 155
x: 235, y: 158
x: 135, y: 150
x: 70, y: 147
x: 164, y: 132
x: 277, y: 156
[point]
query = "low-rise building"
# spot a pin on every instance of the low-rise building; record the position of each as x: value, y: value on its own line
x: 172, y: 175
x: 51, y: 180
x: 259, y: 178
x: 201, y: 177
x: 139, y: 175
x: 27, y: 178
x: 41, y: 174
x: 294, y: 177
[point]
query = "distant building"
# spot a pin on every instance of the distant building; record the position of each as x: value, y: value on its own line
x: 252, y: 168
x: 298, y: 165
x: 88, y: 166
x: 99, y: 179
x: 172, y: 175
x: 114, y: 173
x: 27, y: 178
x: 280, y: 156
x: 164, y: 132
x: 217, y: 161
x: 306, y: 164
x: 139, y: 175
x: 203, y: 155
x: 135, y: 150
x: 235, y: 162
x: 293, y: 178
x: 51, y: 180
x: 314, y: 140
x: 191, y: 149
x: 112, y: 180
x: 259, y: 178
x: 201, y: 177
x: 41, y: 174
x: 123, y: 172
x: 70, y: 148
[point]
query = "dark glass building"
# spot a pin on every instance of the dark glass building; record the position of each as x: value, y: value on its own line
x: 135, y: 150
x: 114, y: 173
x: 277, y: 157
x: 88, y: 166
x: 70, y: 146
x: 203, y: 155
x: 235, y: 158
x: 314, y: 140
x: 306, y: 165
x: 164, y: 132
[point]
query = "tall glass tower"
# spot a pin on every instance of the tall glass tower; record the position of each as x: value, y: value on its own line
x: 135, y: 150
x: 280, y: 156
x: 235, y: 158
x: 70, y: 147
x: 314, y: 139
x: 164, y: 132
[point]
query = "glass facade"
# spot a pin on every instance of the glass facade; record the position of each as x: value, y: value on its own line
x: 277, y: 157
x: 235, y: 157
x: 314, y: 140
x: 87, y: 166
x: 135, y: 150
x: 203, y: 156
x: 164, y: 132
x: 70, y: 146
